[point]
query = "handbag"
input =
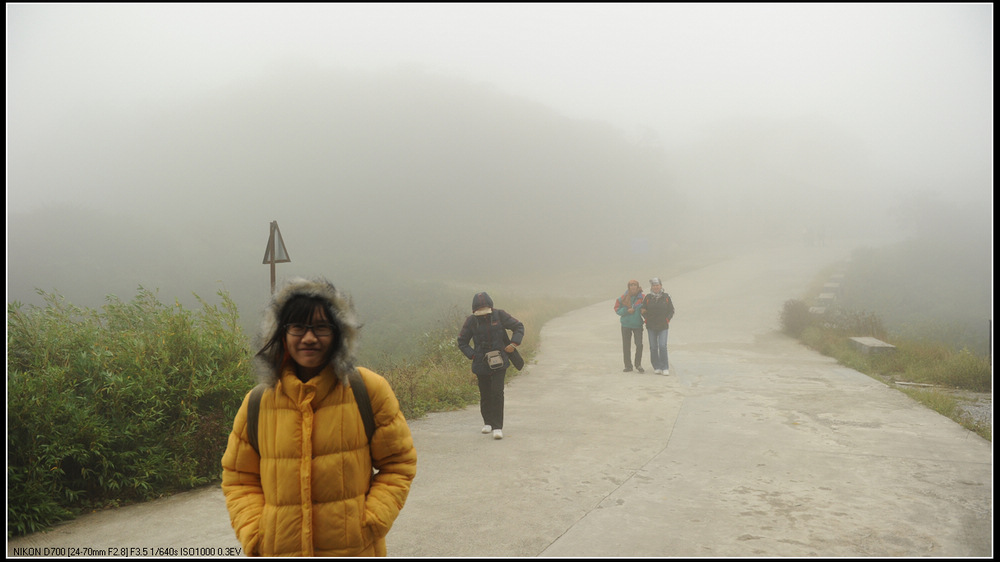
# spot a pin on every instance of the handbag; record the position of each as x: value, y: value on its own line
x: 494, y: 359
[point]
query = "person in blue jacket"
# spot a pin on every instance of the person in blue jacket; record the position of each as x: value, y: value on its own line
x: 492, y: 351
x: 628, y: 307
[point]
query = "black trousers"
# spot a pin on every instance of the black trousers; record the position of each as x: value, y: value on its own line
x: 627, y: 334
x: 491, y: 397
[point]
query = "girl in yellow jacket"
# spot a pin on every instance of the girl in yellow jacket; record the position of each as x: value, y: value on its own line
x: 317, y: 488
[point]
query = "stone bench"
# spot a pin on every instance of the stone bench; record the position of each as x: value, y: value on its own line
x: 871, y: 345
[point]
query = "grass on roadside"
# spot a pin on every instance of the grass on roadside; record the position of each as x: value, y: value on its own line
x: 921, y: 362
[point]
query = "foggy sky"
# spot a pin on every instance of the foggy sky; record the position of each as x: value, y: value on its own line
x: 913, y: 82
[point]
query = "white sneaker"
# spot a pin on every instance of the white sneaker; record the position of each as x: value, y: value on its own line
x: 666, y: 371
x: 658, y: 371
x: 497, y: 434
x: 487, y: 429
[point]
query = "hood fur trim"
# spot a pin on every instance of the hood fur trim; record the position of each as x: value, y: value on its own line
x: 346, y: 319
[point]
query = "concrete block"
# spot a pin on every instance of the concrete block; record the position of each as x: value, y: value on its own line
x: 871, y: 345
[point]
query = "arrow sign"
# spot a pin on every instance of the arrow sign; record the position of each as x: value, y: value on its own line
x: 275, y: 251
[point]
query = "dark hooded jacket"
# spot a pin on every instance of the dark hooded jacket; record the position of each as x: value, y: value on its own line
x: 658, y: 310
x: 488, y: 333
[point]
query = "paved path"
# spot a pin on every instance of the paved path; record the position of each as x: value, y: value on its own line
x: 753, y: 446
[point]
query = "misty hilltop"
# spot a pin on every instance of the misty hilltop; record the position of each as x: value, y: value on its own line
x: 403, y: 173
x: 407, y: 168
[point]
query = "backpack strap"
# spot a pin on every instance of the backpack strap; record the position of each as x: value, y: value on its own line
x: 364, y: 403
x: 360, y: 396
x: 253, y: 413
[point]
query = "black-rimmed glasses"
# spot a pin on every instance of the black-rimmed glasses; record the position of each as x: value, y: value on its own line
x: 319, y: 330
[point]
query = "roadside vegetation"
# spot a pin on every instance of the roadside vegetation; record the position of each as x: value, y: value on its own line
x: 136, y: 400
x: 112, y: 406
x: 930, y: 296
x: 934, y: 373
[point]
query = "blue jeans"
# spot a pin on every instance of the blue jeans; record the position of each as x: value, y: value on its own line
x: 658, y: 349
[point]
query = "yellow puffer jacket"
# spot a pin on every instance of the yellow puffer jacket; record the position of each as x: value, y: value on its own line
x: 308, y: 493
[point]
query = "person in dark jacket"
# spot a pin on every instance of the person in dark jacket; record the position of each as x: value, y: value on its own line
x: 491, y: 352
x: 657, y: 310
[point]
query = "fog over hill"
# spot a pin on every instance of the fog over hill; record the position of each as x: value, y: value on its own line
x: 404, y: 175
x: 407, y: 168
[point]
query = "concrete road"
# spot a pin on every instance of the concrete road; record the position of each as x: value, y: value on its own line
x: 752, y: 446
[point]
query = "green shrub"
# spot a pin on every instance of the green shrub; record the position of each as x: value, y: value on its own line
x: 855, y: 324
x: 825, y: 341
x: 939, y: 365
x: 941, y: 403
x: 965, y: 369
x: 795, y: 317
x: 118, y: 405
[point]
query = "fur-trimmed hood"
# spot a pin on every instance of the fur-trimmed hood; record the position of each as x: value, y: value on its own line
x: 344, y: 316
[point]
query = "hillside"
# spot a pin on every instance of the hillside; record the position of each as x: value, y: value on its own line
x: 403, y: 185
x: 403, y: 175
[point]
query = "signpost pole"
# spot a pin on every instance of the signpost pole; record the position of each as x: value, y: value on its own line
x: 272, y: 277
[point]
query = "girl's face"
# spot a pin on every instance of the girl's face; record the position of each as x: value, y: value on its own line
x: 310, y: 350
x: 633, y: 288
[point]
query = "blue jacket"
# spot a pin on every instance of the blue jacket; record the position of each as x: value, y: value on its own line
x: 622, y: 304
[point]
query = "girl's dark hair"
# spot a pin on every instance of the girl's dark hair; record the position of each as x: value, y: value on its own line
x: 299, y: 309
